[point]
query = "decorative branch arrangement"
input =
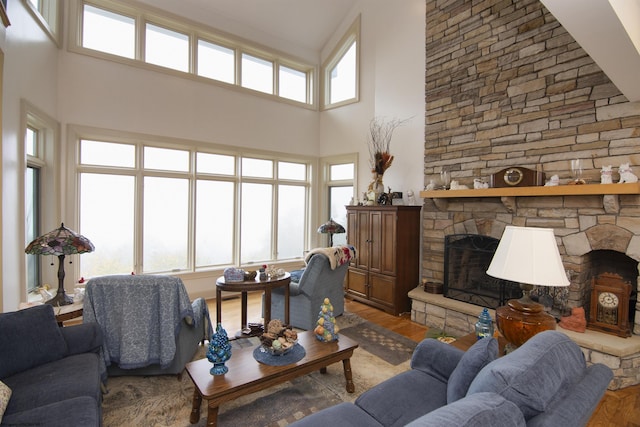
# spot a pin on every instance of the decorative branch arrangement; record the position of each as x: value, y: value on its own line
x: 379, y: 141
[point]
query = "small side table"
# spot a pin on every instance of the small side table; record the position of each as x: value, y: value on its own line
x: 62, y: 313
x: 253, y: 285
x: 68, y: 312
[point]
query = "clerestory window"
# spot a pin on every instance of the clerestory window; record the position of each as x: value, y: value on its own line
x: 115, y: 30
x: 340, y: 71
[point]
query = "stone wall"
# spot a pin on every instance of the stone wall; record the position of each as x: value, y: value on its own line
x: 506, y: 85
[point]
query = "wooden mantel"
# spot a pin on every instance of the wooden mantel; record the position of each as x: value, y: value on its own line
x: 508, y: 194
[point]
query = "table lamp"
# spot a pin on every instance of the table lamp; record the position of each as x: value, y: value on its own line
x: 60, y: 242
x: 529, y: 256
x: 331, y: 227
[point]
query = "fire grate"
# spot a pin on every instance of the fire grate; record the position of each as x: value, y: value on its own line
x: 466, y: 259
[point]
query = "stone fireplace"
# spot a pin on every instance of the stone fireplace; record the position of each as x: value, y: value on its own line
x: 506, y: 85
x: 595, y: 234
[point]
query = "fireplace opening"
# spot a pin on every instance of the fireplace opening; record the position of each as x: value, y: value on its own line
x: 466, y: 260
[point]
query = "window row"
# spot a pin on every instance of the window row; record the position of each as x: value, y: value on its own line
x: 116, y: 29
x: 159, y: 210
x: 122, y: 31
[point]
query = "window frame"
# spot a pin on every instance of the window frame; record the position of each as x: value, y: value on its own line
x: 352, y: 35
x: 48, y: 15
x: 78, y: 133
x: 196, y: 31
x: 328, y: 184
x: 46, y: 159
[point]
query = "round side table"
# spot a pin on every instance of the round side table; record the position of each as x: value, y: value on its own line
x: 253, y: 285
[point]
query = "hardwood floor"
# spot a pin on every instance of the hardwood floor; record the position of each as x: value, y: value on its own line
x: 618, y: 408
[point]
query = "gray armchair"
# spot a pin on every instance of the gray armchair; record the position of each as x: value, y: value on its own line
x: 322, y: 278
x: 150, y: 326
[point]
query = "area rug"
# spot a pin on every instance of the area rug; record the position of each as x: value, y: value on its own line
x: 166, y: 401
x: 381, y: 342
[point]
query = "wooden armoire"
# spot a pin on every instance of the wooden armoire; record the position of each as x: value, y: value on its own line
x: 387, y: 262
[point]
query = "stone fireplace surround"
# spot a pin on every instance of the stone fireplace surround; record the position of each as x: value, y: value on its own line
x: 582, y: 224
x: 506, y: 85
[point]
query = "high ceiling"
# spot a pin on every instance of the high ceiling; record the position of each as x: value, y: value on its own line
x: 306, y: 23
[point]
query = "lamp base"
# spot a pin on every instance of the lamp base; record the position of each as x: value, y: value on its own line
x: 521, y: 319
x: 60, y: 299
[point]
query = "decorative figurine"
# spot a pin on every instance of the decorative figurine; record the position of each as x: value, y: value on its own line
x: 411, y: 198
x: 479, y: 184
x: 456, y: 186
x: 606, y: 175
x: 326, y: 329
x: 219, y: 351
x: 626, y: 174
x: 553, y: 181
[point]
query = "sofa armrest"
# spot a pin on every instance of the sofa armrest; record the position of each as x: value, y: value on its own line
x: 436, y: 358
x: 579, y: 402
x: 479, y: 409
x: 83, y: 338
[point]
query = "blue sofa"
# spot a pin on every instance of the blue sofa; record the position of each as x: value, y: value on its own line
x: 545, y: 382
x: 53, y: 373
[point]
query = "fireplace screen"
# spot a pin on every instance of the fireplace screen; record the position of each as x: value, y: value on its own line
x: 466, y: 259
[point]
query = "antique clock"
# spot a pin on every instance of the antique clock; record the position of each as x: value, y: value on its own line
x: 609, y: 311
x: 516, y: 176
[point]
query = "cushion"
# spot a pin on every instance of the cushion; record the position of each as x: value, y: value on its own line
x: 5, y: 395
x: 296, y: 275
x: 480, y: 409
x: 29, y: 338
x: 534, y: 375
x: 477, y: 357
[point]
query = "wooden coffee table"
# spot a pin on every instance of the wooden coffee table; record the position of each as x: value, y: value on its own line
x: 246, y: 375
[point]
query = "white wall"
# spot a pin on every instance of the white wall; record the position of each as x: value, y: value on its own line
x: 30, y: 73
x: 391, y: 87
x: 76, y: 89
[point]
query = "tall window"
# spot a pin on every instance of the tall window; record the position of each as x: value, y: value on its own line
x: 111, y: 29
x: 154, y: 209
x: 32, y: 205
x: 40, y: 189
x: 340, y: 182
x: 341, y: 70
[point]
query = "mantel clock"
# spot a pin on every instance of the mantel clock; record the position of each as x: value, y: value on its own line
x: 609, y: 311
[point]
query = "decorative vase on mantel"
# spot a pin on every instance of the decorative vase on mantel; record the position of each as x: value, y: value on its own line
x: 219, y: 351
x: 376, y: 188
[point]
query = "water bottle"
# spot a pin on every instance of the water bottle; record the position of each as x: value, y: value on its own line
x: 484, y: 325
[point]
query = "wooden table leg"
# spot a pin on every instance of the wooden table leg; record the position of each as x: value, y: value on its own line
x: 195, y: 407
x: 243, y: 314
x: 286, y: 305
x: 346, y: 364
x: 267, y: 307
x: 218, y: 307
x: 212, y: 415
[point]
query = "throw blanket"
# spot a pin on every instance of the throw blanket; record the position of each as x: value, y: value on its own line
x: 337, y: 255
x: 140, y: 317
